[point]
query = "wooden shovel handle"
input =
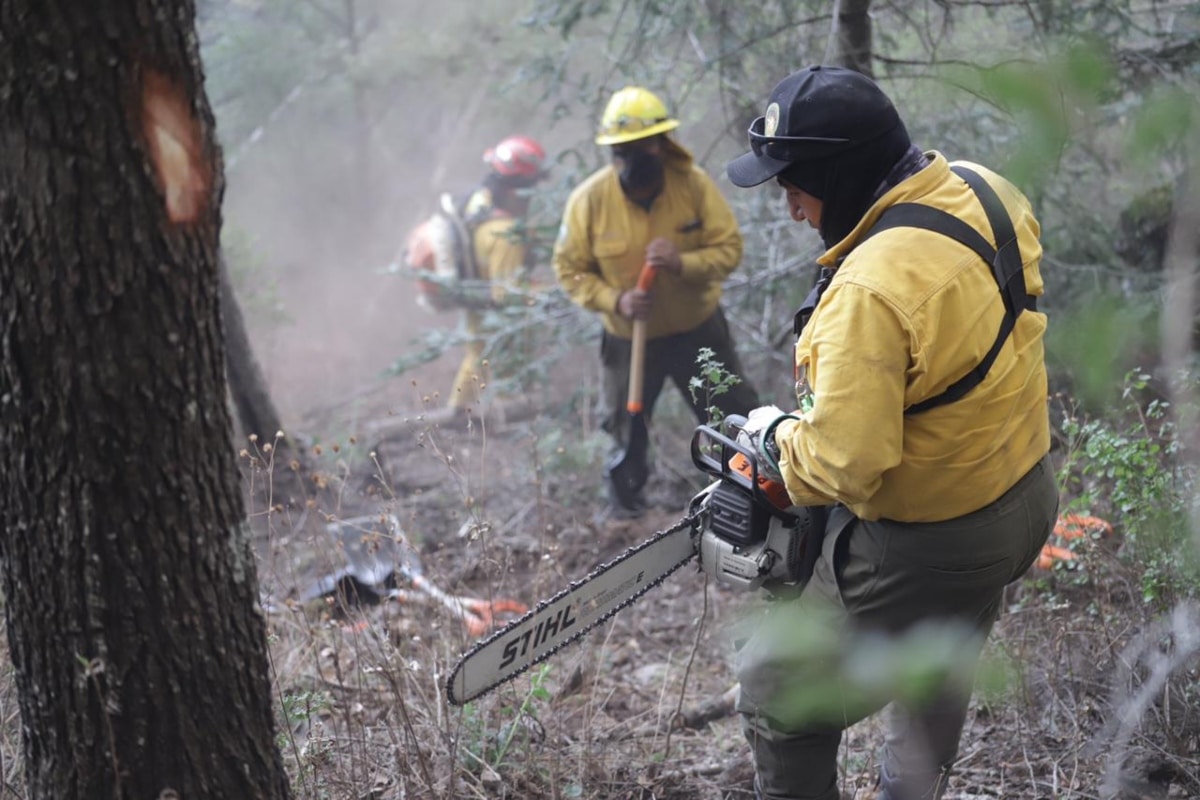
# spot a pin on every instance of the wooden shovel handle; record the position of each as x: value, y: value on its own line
x: 637, y: 355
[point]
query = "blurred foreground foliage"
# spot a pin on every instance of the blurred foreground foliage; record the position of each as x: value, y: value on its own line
x: 1090, y: 107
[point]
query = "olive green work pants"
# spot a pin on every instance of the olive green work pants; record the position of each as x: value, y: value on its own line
x: 672, y: 357
x: 874, y: 580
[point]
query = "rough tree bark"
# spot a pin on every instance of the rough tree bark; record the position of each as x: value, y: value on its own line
x: 854, y: 36
x: 130, y: 591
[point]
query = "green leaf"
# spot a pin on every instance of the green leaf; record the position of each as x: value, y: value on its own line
x: 1167, y: 118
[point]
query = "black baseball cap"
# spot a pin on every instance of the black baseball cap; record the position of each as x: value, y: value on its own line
x: 813, y: 114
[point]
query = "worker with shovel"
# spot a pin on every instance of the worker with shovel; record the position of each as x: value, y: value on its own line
x: 647, y: 242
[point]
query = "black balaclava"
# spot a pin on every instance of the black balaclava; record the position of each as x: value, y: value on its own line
x: 495, y: 181
x: 640, y: 170
x: 846, y: 183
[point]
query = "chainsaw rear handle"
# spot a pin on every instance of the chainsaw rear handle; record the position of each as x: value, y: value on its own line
x: 738, y: 464
x: 706, y: 439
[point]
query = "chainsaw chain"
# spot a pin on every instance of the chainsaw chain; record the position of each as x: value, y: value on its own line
x: 692, y: 520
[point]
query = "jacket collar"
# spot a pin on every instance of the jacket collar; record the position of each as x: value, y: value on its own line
x: 910, y: 190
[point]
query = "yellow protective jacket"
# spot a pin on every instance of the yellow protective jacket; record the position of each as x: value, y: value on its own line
x: 499, y: 248
x: 908, y: 313
x: 602, y: 242
x: 499, y: 253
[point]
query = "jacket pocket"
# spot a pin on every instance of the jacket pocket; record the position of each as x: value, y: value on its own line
x: 690, y: 235
x: 606, y: 249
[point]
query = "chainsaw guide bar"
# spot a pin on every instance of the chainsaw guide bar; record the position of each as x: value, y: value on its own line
x: 573, y: 612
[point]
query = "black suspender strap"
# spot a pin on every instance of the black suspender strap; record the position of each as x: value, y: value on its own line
x: 1006, y: 267
x: 915, y: 215
x: 1005, y: 263
x: 804, y: 314
x: 1004, y: 260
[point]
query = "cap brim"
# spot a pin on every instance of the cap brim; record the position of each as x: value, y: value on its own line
x: 750, y: 170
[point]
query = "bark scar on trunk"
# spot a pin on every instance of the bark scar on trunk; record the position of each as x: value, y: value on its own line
x: 175, y: 141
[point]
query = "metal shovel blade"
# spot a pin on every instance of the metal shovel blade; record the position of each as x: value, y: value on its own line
x: 628, y: 470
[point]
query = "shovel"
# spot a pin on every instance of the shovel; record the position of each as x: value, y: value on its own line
x: 628, y: 469
x: 378, y: 561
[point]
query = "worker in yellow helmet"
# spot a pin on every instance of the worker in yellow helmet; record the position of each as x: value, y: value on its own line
x: 652, y: 205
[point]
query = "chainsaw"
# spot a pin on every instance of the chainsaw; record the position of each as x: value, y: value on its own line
x: 742, y: 527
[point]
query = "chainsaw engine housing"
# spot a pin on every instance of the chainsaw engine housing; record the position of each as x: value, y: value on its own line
x: 745, y: 546
x: 735, y: 517
x: 749, y: 540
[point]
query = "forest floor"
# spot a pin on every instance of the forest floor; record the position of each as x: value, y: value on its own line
x: 511, y: 507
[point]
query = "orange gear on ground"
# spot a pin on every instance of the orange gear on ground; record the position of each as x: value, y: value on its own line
x: 1067, y: 528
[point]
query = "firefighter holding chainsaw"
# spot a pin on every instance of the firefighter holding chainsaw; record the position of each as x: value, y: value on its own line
x: 923, y: 429
x: 651, y: 206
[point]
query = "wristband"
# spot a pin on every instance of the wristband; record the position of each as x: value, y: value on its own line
x: 768, y: 445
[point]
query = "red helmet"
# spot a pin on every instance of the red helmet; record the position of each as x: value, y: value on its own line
x: 517, y: 158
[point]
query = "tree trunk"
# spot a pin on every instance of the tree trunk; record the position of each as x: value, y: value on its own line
x: 854, y: 36
x: 131, y: 596
x: 364, y: 176
x: 252, y: 402
x: 255, y: 411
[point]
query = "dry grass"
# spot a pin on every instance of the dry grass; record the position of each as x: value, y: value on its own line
x: 601, y: 720
x: 1101, y: 702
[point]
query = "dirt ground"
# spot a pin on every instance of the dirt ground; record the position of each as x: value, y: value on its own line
x: 508, y: 506
x: 640, y: 707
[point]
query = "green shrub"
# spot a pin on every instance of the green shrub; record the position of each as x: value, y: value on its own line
x: 1129, y: 467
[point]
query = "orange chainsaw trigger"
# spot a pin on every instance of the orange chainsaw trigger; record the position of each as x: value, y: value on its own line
x: 776, y: 492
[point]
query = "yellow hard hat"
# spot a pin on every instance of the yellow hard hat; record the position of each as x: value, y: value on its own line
x: 633, y: 113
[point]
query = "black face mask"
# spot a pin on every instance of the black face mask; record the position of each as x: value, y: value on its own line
x: 847, y: 182
x: 640, y: 170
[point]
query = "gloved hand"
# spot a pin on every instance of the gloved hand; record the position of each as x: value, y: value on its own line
x: 635, y: 304
x: 664, y: 254
x: 758, y: 434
